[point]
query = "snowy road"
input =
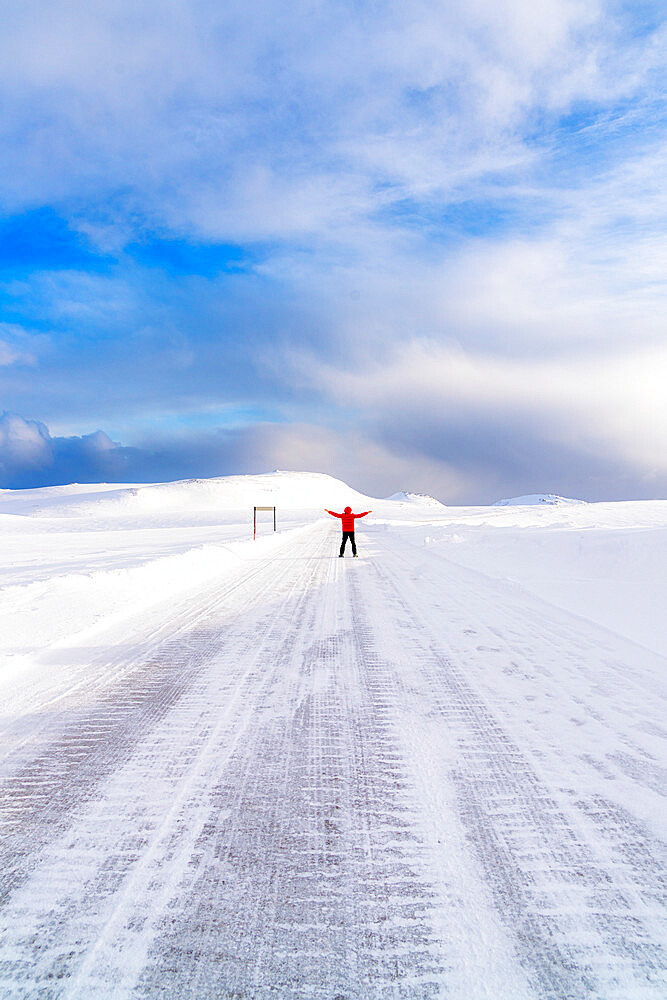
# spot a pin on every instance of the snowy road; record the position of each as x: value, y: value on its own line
x: 384, y: 777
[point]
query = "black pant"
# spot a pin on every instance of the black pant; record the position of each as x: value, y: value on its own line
x: 350, y: 535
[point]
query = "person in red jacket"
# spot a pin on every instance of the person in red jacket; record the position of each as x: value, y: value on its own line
x: 348, y: 519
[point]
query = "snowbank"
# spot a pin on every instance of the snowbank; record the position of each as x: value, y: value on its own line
x: 605, y: 562
x: 66, y: 602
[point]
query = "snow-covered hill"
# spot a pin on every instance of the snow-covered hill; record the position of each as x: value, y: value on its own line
x: 285, y: 490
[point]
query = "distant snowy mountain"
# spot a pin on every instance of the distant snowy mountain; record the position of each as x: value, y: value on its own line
x: 532, y: 499
x: 404, y: 496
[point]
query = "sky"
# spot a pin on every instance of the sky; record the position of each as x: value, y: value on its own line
x: 412, y: 245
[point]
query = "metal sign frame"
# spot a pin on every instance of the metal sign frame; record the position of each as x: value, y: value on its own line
x: 254, y: 519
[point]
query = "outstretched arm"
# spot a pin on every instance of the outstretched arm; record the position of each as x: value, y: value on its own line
x: 334, y: 514
x: 364, y: 513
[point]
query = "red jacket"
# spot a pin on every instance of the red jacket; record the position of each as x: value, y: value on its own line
x: 347, y: 517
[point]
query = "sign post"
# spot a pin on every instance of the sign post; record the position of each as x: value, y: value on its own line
x: 254, y: 519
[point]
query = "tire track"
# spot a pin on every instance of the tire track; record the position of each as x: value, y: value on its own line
x: 580, y: 927
x: 311, y: 880
x: 92, y: 729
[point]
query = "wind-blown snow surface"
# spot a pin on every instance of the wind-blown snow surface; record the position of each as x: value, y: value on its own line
x: 550, y: 499
x: 237, y: 769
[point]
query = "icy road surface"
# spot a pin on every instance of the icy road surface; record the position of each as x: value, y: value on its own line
x: 375, y: 778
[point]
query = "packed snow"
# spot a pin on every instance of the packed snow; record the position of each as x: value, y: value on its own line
x: 253, y: 769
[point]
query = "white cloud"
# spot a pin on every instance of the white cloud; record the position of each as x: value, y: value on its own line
x: 8, y: 356
x: 277, y: 119
x: 614, y: 408
x: 24, y: 444
x: 353, y: 139
x: 356, y: 458
x: 19, y: 346
x: 30, y: 456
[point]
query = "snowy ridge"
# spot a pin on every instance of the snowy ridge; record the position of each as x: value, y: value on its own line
x: 286, y: 490
x: 290, y: 490
x: 533, y: 499
x: 55, y: 500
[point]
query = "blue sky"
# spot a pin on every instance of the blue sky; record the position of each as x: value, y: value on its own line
x: 413, y: 245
